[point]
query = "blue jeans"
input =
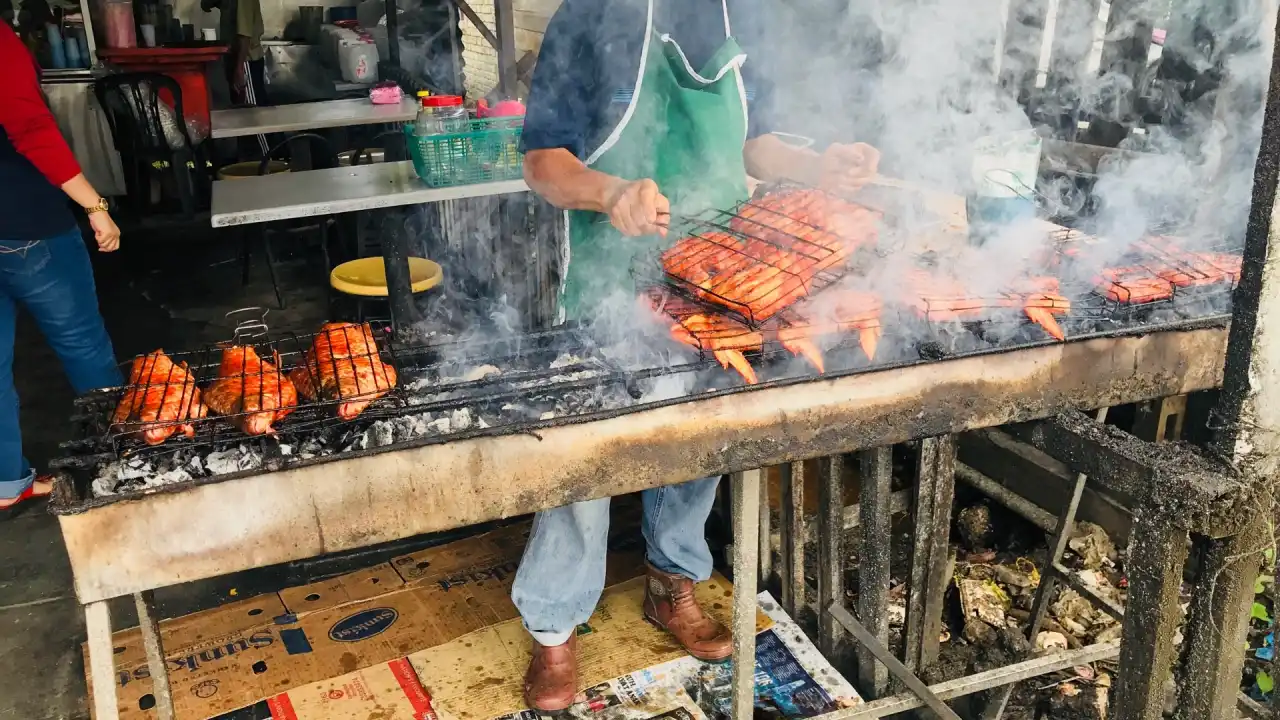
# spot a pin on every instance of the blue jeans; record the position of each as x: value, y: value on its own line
x: 53, y: 280
x: 561, y: 574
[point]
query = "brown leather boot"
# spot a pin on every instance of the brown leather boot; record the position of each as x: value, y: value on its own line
x: 669, y: 604
x: 552, y: 679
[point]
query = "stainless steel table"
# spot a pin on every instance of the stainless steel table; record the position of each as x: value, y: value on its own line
x: 307, y: 116
x: 337, y: 190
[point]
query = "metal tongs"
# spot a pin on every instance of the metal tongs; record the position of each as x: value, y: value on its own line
x: 253, y: 326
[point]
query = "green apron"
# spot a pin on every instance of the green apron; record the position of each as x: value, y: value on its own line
x: 685, y: 130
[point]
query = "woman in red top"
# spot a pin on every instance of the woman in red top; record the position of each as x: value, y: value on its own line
x: 44, y: 265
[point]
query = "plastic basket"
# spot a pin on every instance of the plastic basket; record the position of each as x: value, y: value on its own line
x: 489, y: 151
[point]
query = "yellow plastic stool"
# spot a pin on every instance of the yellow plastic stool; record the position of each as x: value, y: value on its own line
x: 367, y: 277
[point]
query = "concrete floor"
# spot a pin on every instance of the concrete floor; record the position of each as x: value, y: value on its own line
x: 166, y: 288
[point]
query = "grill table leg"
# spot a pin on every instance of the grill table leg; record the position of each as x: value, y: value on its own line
x: 792, y: 566
x: 873, y: 564
x: 102, y: 667
x: 1157, y: 556
x: 935, y: 489
x: 1218, y: 623
x: 746, y: 527
x: 830, y: 554
x: 145, y: 602
x: 766, y: 540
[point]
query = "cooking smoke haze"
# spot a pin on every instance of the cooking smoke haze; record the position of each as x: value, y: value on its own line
x: 921, y: 80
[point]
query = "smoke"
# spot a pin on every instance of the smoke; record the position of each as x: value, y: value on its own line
x: 1134, y: 139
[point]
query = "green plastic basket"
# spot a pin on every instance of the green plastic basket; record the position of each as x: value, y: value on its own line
x: 489, y: 151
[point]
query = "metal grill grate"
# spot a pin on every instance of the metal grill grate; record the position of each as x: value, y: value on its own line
x: 762, y: 256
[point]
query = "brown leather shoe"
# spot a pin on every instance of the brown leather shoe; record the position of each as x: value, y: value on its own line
x: 669, y: 604
x: 552, y: 679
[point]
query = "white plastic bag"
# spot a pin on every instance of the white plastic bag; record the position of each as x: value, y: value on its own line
x: 359, y: 62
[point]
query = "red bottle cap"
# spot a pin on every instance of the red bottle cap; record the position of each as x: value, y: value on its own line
x: 442, y: 101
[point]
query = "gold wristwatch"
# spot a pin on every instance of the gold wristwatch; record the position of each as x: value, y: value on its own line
x: 101, y: 206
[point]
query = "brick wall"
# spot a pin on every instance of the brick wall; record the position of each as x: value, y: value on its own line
x: 481, y: 59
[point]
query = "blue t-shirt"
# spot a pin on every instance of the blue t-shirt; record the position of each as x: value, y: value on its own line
x: 590, y: 58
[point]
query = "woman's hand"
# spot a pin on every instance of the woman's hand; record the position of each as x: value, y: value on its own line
x: 847, y: 168
x: 105, y: 231
x: 636, y: 208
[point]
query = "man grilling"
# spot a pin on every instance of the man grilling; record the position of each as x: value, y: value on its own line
x: 639, y: 109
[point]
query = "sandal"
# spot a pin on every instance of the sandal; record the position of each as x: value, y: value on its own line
x: 39, y: 488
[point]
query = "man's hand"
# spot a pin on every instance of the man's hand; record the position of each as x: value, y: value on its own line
x: 105, y: 231
x: 636, y: 208
x: 847, y: 168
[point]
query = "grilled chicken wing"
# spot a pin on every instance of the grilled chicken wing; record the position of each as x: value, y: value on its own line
x: 251, y: 390
x: 160, y: 400
x: 343, y: 364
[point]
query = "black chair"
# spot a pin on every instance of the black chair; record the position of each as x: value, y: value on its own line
x: 392, y: 144
x: 133, y: 108
x: 313, y: 152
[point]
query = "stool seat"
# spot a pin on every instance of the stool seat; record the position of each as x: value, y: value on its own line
x: 368, y: 276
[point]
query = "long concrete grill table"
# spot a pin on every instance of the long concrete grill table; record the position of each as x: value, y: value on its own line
x: 238, y: 122
x: 286, y: 196
x: 362, y: 498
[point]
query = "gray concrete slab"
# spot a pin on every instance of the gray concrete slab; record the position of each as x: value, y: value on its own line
x: 33, y: 563
x: 41, y: 667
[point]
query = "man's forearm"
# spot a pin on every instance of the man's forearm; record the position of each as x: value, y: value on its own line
x: 239, y: 51
x: 563, y: 180
x: 769, y: 159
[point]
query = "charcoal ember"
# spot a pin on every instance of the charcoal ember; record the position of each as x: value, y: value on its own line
x: 975, y: 526
x: 932, y: 350
x: 409, y: 427
x: 310, y: 448
x: 233, y: 460
x: 459, y: 420
x: 379, y: 434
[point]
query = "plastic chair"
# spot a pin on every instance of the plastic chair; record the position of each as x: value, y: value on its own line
x: 314, y: 151
x: 146, y: 134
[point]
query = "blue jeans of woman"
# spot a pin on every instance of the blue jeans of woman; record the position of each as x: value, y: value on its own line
x: 561, y: 574
x: 53, y: 280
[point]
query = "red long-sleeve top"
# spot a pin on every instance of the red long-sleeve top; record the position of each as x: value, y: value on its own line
x: 26, y: 118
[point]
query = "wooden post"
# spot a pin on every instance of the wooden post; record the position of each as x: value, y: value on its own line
x: 935, y: 489
x: 102, y: 666
x: 830, y: 554
x: 791, y: 568
x: 150, y: 627
x: 746, y: 526
x: 1157, y: 556
x: 873, y: 565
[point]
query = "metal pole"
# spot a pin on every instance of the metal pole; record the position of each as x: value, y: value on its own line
x: 504, y: 22
x: 395, y: 258
x: 745, y: 504
x: 393, y: 35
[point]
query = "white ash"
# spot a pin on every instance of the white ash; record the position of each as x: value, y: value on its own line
x: 481, y: 372
x: 567, y: 359
x: 241, y: 457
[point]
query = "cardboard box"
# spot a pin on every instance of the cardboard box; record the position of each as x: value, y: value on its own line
x: 238, y: 654
x: 388, y: 691
x: 480, y: 676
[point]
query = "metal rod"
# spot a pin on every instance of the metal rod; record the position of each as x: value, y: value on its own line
x: 793, y: 530
x: 395, y: 257
x: 830, y: 551
x: 873, y: 563
x: 1006, y: 497
x: 475, y: 19
x: 746, y: 527
x: 1065, y: 523
x: 979, y: 682
x: 872, y: 644
x: 147, y: 622
x: 393, y: 34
